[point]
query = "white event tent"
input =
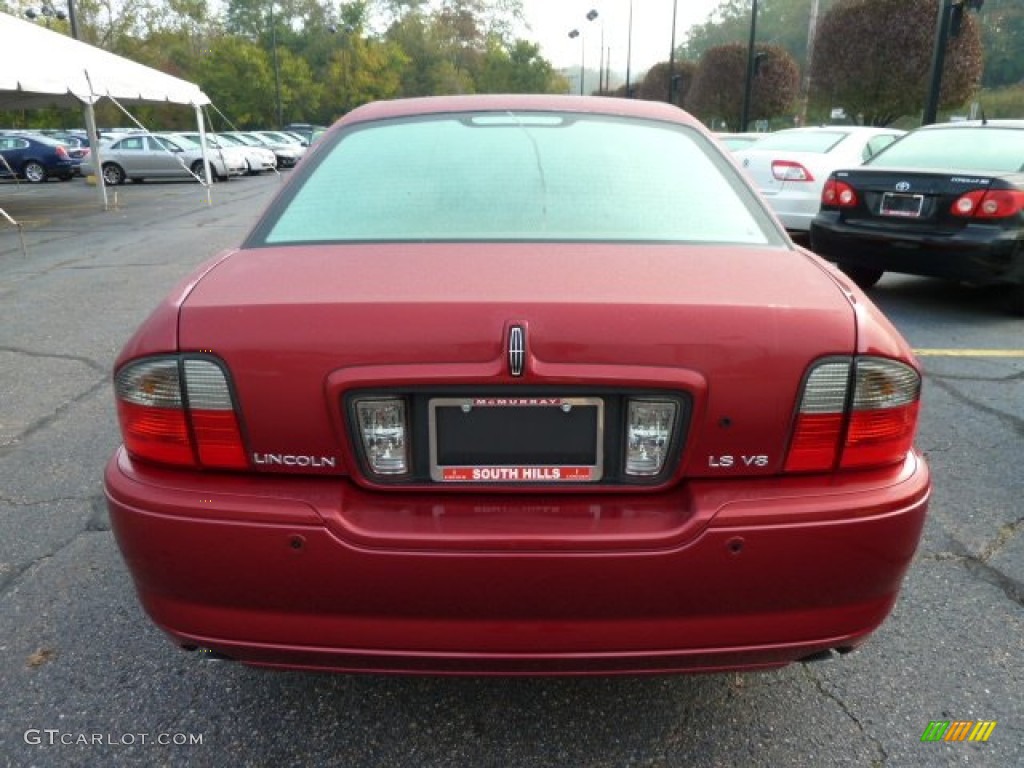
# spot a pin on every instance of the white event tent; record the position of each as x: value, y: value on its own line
x: 42, y: 68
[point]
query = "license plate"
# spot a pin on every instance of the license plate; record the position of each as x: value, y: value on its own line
x: 907, y: 206
x: 516, y: 439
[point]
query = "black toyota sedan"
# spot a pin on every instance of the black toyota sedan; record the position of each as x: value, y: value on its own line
x: 944, y: 201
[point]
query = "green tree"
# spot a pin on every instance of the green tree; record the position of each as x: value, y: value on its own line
x: 873, y: 59
x: 519, y: 70
x: 719, y: 83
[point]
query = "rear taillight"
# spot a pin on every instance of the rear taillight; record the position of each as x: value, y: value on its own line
x: 787, y: 170
x: 855, y: 413
x: 179, y: 410
x: 988, y: 204
x: 838, y: 194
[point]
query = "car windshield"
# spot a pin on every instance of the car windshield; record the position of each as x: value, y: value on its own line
x: 801, y: 141
x: 510, y: 177
x: 970, y: 148
x: 183, y: 141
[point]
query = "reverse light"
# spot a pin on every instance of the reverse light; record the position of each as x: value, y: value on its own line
x: 787, y: 170
x: 854, y: 413
x: 989, y: 204
x: 179, y: 410
x: 838, y: 194
x: 649, y: 429
x: 383, y: 431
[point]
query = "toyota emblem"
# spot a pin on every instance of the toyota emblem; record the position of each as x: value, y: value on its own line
x: 903, y: 186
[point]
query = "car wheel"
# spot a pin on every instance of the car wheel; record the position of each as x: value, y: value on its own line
x: 864, y: 277
x: 34, y: 172
x: 197, y: 169
x: 113, y: 174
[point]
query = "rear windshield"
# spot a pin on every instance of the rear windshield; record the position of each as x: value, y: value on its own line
x: 801, y: 141
x: 975, y: 148
x: 532, y: 176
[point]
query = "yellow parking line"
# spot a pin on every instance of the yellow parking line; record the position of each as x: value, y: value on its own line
x: 969, y: 352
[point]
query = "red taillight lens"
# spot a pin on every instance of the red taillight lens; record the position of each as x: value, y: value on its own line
x: 838, y: 194
x: 874, y: 426
x: 179, y: 411
x: 988, y: 204
x: 787, y: 170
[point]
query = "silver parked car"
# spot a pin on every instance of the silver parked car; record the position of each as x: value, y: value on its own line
x: 166, y: 156
x: 790, y: 167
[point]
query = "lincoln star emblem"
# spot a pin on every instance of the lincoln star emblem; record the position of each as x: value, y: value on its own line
x: 516, y: 350
x: 903, y: 186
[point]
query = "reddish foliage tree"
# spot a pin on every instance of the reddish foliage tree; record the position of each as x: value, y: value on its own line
x: 654, y: 86
x: 873, y: 58
x: 718, y: 85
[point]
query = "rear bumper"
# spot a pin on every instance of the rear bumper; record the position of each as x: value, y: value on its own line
x: 320, y: 574
x: 979, y: 254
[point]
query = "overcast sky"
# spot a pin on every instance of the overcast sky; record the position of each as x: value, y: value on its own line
x: 551, y: 21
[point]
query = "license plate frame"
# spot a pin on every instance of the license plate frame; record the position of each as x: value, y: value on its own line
x: 902, y: 206
x: 544, y: 430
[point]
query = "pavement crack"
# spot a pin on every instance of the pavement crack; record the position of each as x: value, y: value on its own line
x: 9, y: 580
x: 88, y: 362
x: 44, y: 422
x: 1015, y: 422
x: 819, y: 684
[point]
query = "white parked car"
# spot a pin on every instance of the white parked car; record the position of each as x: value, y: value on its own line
x: 229, y: 153
x: 790, y: 167
x: 258, y: 159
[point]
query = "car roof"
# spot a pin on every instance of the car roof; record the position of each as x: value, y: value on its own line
x: 1000, y: 123
x: 601, y: 105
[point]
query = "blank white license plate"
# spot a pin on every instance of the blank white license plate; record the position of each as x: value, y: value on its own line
x: 907, y: 206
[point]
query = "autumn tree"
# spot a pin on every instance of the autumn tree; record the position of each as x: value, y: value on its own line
x: 655, y: 85
x: 718, y: 85
x: 873, y: 59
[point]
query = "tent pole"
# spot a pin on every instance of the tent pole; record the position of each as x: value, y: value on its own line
x: 89, y: 111
x: 206, y: 154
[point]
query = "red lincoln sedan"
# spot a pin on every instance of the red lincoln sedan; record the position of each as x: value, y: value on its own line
x: 517, y: 385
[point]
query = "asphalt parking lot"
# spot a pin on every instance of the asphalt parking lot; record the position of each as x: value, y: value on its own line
x: 87, y: 680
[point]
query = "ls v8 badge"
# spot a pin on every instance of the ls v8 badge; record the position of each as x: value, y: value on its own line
x: 728, y: 462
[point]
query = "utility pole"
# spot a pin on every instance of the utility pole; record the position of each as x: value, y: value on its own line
x: 745, y: 114
x: 812, y: 30
x: 931, y: 105
x: 672, y: 52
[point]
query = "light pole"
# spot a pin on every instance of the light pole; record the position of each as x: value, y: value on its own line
x: 672, y: 53
x: 277, y: 67
x: 748, y: 86
x: 947, y: 10
x: 573, y: 34
x: 591, y: 15
x: 629, y: 50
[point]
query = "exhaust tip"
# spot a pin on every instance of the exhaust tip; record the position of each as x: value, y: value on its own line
x: 825, y: 655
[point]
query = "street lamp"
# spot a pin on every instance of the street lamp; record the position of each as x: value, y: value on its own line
x: 948, y: 9
x: 751, y: 63
x: 277, y: 67
x: 591, y: 15
x: 47, y: 11
x: 629, y: 50
x: 672, y: 55
x: 573, y: 34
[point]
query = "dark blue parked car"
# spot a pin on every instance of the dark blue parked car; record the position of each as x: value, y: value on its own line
x: 34, y: 158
